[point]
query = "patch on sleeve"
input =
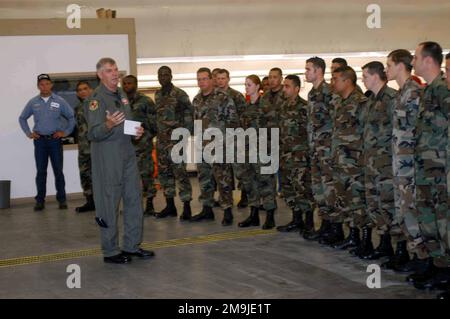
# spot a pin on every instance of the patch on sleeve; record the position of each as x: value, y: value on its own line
x: 93, y: 105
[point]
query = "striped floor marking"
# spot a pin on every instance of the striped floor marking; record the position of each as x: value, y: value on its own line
x: 28, y: 260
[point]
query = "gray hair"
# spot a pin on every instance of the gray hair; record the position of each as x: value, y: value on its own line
x: 104, y: 61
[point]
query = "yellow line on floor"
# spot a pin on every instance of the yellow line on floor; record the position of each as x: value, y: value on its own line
x: 21, y: 261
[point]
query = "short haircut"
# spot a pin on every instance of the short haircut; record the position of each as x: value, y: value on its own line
x: 265, y: 78
x: 318, y: 63
x: 347, y: 73
x: 294, y: 78
x: 276, y: 70
x: 132, y: 77
x: 104, y: 61
x: 165, y: 67
x: 81, y: 83
x: 402, y: 56
x: 341, y: 61
x: 447, y: 56
x: 215, y: 70
x: 205, y: 70
x: 433, y: 50
x: 376, y: 67
x: 222, y: 71
x: 254, y: 78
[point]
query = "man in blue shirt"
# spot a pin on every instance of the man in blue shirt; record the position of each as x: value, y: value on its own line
x: 48, y: 110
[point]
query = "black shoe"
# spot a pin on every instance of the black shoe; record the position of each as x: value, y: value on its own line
x: 117, y: 259
x: 141, y: 253
x: 149, y: 209
x: 400, y: 257
x: 414, y: 265
x: 312, y: 234
x: 427, y: 272
x: 187, y: 212
x: 244, y: 200
x: 62, y: 205
x: 440, y: 281
x: 384, y: 249
x: 351, y: 241
x: 216, y: 203
x: 206, y: 214
x: 335, y: 235
x: 252, y: 220
x: 169, y: 210
x: 261, y: 207
x: 227, y: 217
x: 270, y: 221
x: 88, y: 206
x: 39, y: 206
x: 296, y: 224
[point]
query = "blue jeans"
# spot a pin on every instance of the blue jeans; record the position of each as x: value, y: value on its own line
x: 45, y: 147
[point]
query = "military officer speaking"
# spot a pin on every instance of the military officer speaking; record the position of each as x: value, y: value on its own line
x: 115, y: 173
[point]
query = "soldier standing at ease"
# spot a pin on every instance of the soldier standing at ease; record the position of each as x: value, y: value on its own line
x: 320, y: 125
x: 84, y: 90
x: 143, y: 110
x: 173, y: 110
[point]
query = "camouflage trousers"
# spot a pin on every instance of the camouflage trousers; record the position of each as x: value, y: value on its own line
x: 296, y: 181
x: 84, y: 164
x: 222, y: 174
x: 145, y: 165
x: 432, y: 215
x: 321, y: 177
x: 347, y: 196
x: 379, y: 191
x: 259, y: 187
x: 405, y: 214
x: 169, y: 173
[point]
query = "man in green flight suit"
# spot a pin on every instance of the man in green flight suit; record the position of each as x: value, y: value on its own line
x: 115, y: 174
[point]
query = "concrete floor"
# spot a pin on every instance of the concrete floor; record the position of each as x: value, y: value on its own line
x: 272, y: 265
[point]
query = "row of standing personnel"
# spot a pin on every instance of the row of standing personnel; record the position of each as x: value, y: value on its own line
x: 373, y: 162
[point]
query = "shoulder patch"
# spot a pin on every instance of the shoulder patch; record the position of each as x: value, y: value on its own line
x: 93, y: 105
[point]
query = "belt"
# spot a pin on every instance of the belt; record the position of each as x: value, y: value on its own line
x: 49, y: 137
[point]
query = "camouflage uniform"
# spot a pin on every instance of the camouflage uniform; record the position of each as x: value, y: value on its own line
x: 404, y: 123
x: 258, y: 186
x: 347, y: 196
x: 430, y: 168
x: 378, y: 159
x: 173, y: 110
x: 143, y: 110
x: 84, y: 151
x: 294, y: 155
x: 320, y: 126
x: 238, y: 99
x: 216, y: 110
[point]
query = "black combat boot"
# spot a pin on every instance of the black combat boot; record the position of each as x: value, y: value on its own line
x: 309, y: 223
x: 88, y: 206
x: 414, y: 265
x: 401, y: 256
x: 206, y: 214
x: 227, y: 217
x: 296, y: 224
x: 316, y: 235
x: 351, y: 241
x: 149, y: 209
x: 252, y: 220
x: 425, y: 272
x: 244, y: 200
x: 366, y: 247
x: 169, y: 210
x: 384, y: 249
x: 187, y: 213
x: 270, y: 221
x: 335, y: 235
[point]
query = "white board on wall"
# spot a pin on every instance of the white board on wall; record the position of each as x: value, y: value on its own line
x: 22, y: 58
